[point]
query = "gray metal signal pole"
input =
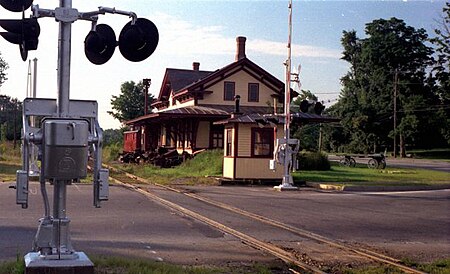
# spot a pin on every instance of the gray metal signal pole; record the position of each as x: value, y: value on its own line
x: 64, y: 53
x: 287, y: 142
x: 61, y: 222
x: 287, y: 178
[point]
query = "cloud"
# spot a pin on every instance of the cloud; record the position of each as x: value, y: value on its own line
x: 280, y: 48
x: 182, y: 37
x: 179, y: 37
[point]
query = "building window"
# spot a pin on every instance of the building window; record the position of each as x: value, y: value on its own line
x: 217, y: 140
x: 229, y: 91
x: 253, y: 92
x: 229, y: 142
x: 262, y: 142
x: 216, y: 137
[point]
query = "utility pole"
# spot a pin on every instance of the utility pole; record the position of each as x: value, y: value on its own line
x: 395, y: 112
x: 320, y: 138
x: 147, y: 83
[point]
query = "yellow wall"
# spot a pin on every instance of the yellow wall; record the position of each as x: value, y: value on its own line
x: 245, y: 135
x: 246, y: 167
x: 203, y: 135
x: 250, y: 168
x: 178, y: 104
x: 185, y: 104
x: 256, y: 168
x: 202, y: 138
x: 228, y: 167
x: 241, y: 79
x: 244, y: 140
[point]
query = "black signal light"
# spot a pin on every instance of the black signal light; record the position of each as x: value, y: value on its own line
x: 24, y: 32
x: 139, y: 40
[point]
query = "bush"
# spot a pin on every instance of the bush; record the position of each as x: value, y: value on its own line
x: 2, y: 151
x: 313, y: 161
x: 111, y: 152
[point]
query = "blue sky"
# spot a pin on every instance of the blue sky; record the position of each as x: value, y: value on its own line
x: 205, y: 32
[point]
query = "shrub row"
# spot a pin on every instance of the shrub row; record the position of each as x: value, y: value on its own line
x: 313, y: 161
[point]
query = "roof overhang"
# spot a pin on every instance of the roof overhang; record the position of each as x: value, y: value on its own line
x: 204, y: 113
x: 256, y: 118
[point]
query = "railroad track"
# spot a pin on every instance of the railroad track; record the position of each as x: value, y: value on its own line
x: 129, y: 181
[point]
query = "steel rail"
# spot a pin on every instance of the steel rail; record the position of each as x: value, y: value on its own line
x: 307, y: 234
x: 304, y: 233
x: 251, y: 241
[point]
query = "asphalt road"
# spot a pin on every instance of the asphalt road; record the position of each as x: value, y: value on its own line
x: 128, y: 225
x: 403, y: 224
x: 406, y: 163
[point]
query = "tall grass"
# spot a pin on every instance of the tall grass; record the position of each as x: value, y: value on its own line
x: 111, y: 152
x: 193, y: 171
x: 10, y: 154
x: 208, y: 163
x: 13, y: 267
x: 141, y: 266
x: 118, y: 265
x: 10, y: 161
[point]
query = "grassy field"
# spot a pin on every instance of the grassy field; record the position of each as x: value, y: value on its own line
x: 206, y: 164
x: 114, y: 265
x: 362, y: 175
x: 195, y: 171
x: 10, y: 161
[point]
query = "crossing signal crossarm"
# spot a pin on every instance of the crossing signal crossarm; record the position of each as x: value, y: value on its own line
x: 137, y: 41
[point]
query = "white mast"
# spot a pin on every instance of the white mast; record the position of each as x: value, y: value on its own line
x: 286, y: 142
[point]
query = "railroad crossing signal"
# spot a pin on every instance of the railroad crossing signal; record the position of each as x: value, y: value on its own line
x: 307, y: 105
x: 70, y: 130
x: 137, y: 41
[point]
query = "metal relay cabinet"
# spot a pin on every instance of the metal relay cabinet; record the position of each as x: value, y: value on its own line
x: 65, y: 149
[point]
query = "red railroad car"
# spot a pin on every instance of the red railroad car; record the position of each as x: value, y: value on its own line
x: 132, y: 141
x: 131, y: 147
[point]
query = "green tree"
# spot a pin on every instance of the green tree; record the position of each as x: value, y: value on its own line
x: 366, y: 101
x: 441, y: 70
x: 113, y: 136
x: 3, y: 68
x: 130, y: 103
x: 308, y: 134
x: 10, y: 118
x: 442, y: 62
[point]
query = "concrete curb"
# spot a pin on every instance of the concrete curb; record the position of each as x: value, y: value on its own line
x: 343, y: 187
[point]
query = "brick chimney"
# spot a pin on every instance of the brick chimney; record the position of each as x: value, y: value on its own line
x: 240, y: 47
x: 196, y: 66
